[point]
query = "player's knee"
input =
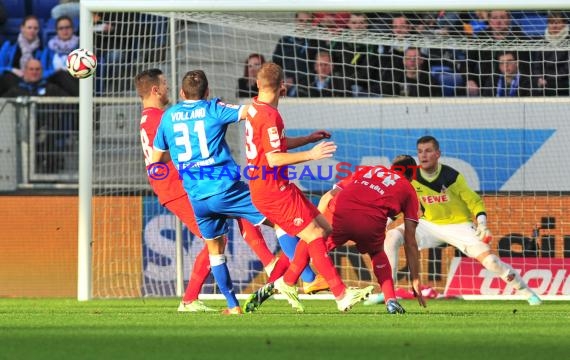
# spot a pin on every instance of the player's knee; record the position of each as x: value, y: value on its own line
x: 492, y: 263
x: 478, y: 250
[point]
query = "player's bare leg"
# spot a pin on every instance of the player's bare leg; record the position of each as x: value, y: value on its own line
x: 492, y: 263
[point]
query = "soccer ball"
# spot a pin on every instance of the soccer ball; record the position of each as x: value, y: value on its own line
x: 81, y: 63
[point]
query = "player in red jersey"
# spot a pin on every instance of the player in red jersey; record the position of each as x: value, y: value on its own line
x: 361, y: 207
x: 153, y: 90
x: 281, y: 201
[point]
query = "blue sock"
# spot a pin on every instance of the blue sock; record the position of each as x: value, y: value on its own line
x: 288, y: 244
x: 221, y: 273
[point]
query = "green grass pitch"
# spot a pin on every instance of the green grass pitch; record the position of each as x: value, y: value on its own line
x: 152, y: 329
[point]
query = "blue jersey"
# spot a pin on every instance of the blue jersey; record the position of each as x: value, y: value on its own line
x: 194, y: 132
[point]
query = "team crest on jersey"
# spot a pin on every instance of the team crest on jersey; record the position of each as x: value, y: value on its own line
x: 274, y: 139
x: 298, y: 221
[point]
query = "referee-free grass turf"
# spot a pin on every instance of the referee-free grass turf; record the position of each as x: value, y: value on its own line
x: 153, y: 329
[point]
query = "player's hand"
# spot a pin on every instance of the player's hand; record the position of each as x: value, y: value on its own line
x: 484, y: 234
x: 318, y: 136
x: 416, y: 288
x: 322, y: 150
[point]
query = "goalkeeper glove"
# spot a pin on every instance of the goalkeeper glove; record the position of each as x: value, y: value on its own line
x: 483, y: 233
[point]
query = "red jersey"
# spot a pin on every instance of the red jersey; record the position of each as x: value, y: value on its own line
x: 169, y: 188
x: 264, y: 133
x: 379, y: 192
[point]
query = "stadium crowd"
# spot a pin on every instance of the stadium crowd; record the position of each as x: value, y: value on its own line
x: 340, y: 66
x: 347, y: 68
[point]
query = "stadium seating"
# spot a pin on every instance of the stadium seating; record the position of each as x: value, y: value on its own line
x: 15, y: 8
x: 42, y: 8
x: 12, y: 28
x: 448, y: 79
x: 533, y: 24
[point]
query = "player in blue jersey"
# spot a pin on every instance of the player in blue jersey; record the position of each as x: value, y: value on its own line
x: 193, y: 131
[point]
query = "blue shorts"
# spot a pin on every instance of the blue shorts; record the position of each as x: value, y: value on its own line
x: 212, y: 212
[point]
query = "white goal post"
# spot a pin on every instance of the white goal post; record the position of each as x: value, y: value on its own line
x: 497, y: 122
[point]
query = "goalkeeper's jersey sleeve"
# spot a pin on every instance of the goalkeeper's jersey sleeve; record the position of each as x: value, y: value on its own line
x: 447, y: 199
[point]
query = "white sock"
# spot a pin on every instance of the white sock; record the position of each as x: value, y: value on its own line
x: 394, y: 239
x: 507, y: 273
x: 216, y: 260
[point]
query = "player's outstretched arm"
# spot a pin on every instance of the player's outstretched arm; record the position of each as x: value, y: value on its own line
x: 295, y: 142
x: 160, y: 156
x: 322, y: 150
x: 412, y: 256
x: 243, y: 112
x: 326, y: 199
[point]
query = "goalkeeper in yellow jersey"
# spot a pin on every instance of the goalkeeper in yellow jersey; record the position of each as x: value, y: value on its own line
x: 449, y: 206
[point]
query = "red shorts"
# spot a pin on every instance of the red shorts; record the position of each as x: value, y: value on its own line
x: 182, y: 208
x: 367, y: 232
x: 289, y: 209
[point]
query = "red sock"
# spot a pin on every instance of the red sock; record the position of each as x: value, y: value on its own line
x: 298, y: 264
x: 324, y: 266
x: 252, y: 236
x: 279, y: 269
x: 383, y: 272
x: 199, y: 274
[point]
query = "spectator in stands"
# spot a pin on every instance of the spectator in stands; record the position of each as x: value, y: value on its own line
x: 325, y: 83
x: 294, y: 90
x: 335, y: 22
x: 247, y: 85
x: 480, y: 64
x: 392, y: 57
x: 329, y: 25
x: 50, y: 134
x: 14, y: 56
x: 414, y: 80
x: 509, y: 81
x: 32, y: 83
x: 58, y: 48
x: 379, y: 22
x: 448, y: 65
x: 358, y: 63
x: 68, y: 8
x: 118, y: 40
x: 477, y: 23
x: 550, y: 68
x: 295, y: 53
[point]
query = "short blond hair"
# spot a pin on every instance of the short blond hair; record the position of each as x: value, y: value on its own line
x: 270, y: 76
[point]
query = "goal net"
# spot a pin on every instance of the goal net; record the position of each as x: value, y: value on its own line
x: 490, y: 86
